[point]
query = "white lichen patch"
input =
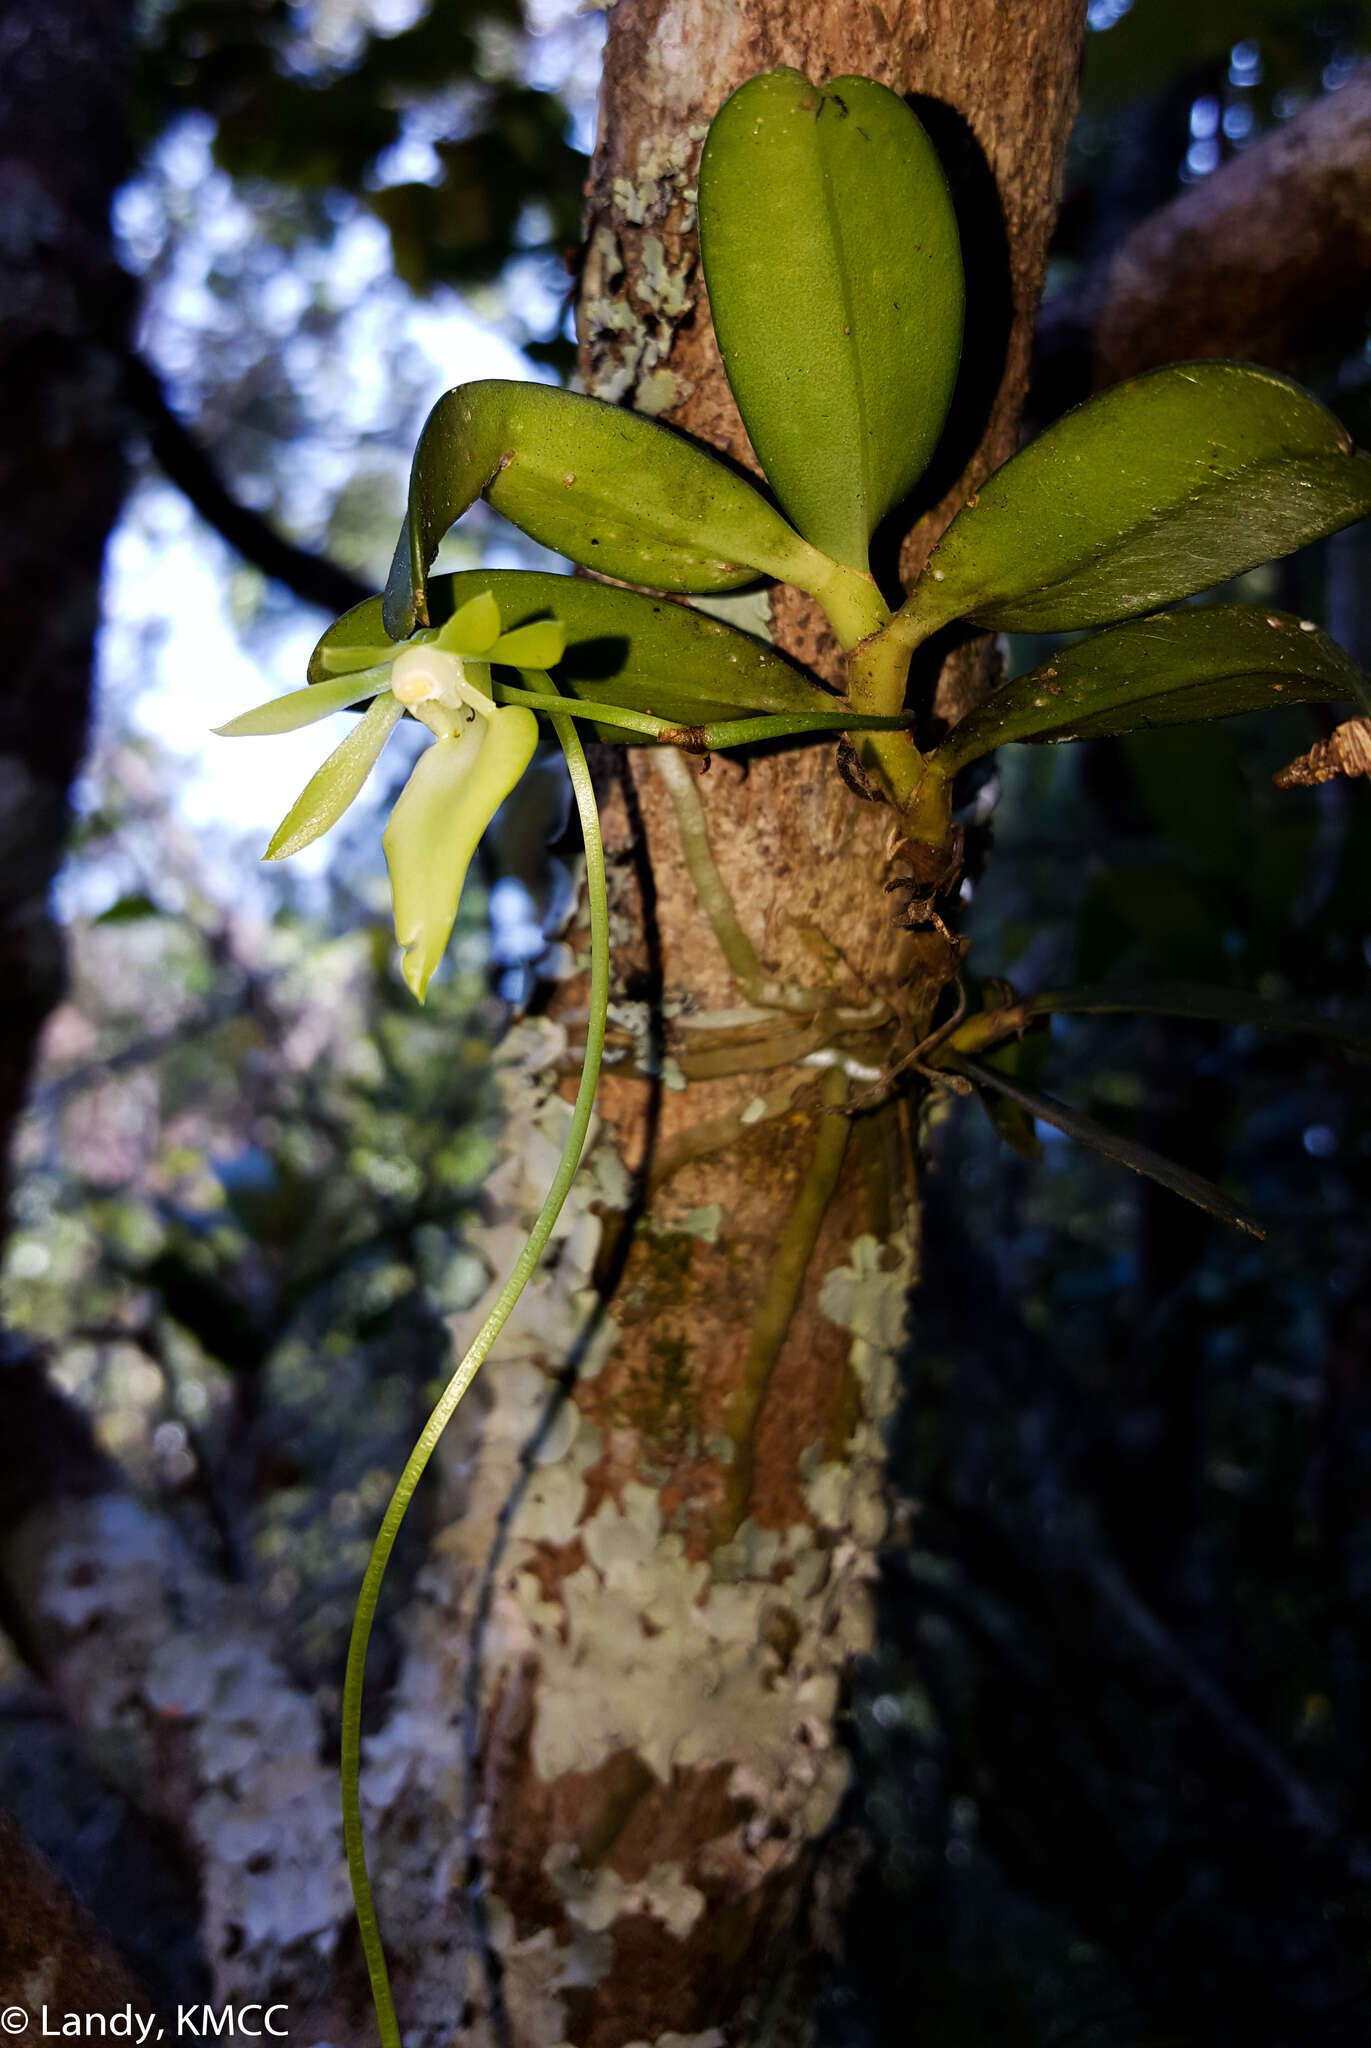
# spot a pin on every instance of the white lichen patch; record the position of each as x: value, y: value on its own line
x: 665, y: 290
x: 629, y: 334
x: 595, y: 1899
x: 645, y: 1650
x: 261, y: 1807
x: 663, y: 183
x: 704, y: 1223
x: 711, y: 2038
x: 867, y: 1297
x: 658, y: 391
x: 536, y: 1970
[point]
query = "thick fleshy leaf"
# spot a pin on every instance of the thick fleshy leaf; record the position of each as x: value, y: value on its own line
x: 328, y: 793
x: 607, y: 488
x: 473, y: 628
x: 1201, y: 1003
x: 457, y: 786
x: 1208, y: 661
x: 834, y: 270
x: 644, y: 653
x: 1022, y: 1058
x: 1046, y: 1109
x: 303, y: 707
x: 538, y: 645
x: 1159, y: 488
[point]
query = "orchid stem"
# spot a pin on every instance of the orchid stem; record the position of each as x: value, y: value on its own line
x: 726, y: 732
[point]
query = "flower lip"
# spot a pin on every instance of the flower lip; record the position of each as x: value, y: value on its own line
x: 452, y: 794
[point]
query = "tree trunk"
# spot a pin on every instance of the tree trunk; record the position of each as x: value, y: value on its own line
x: 63, y: 308
x: 63, y: 314
x: 653, y: 1590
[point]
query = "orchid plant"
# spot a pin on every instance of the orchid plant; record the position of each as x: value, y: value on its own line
x: 834, y: 270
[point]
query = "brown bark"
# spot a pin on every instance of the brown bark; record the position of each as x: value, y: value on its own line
x: 674, y: 1617
x: 63, y: 305
x: 51, y: 1952
x: 1267, y: 260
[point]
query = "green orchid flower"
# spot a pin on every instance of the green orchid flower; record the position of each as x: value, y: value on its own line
x: 480, y: 750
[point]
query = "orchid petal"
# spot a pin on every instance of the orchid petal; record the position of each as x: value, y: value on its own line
x: 457, y: 786
x: 303, y: 707
x: 473, y: 628
x: 328, y: 793
x: 540, y: 644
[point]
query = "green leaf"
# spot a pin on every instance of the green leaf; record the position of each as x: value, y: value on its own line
x: 456, y: 788
x: 1022, y: 1060
x: 834, y: 270
x: 1161, y: 487
x: 644, y: 653
x: 130, y: 909
x: 303, y: 707
x: 1202, y: 1003
x: 1208, y: 661
x: 613, y: 491
x: 1046, y: 1109
x: 332, y: 788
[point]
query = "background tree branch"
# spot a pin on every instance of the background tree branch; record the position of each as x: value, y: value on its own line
x: 1268, y: 259
x: 312, y: 578
x: 169, y: 1677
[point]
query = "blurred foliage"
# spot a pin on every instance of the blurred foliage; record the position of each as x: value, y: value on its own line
x: 244, y: 1176
x: 1143, y: 47
x: 313, y: 98
x: 306, y: 170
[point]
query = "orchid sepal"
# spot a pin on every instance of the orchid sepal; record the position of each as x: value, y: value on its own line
x: 304, y: 707
x: 329, y: 791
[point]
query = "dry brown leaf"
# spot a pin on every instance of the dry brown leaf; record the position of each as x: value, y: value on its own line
x: 1346, y: 751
